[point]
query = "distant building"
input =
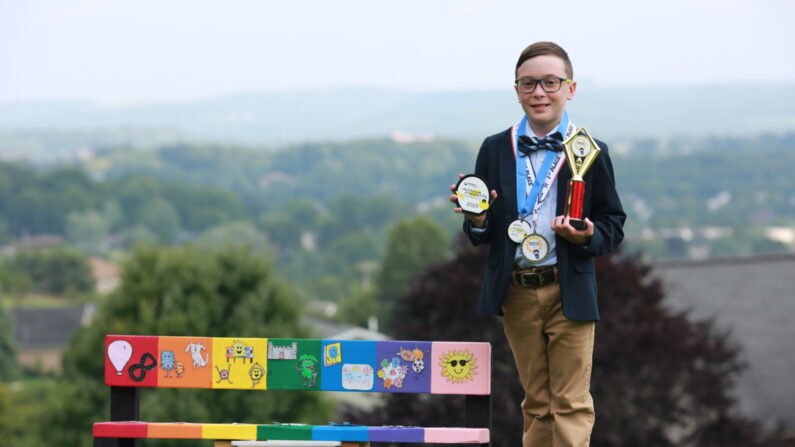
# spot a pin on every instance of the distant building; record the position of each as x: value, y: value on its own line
x: 409, y: 138
x: 27, y: 242
x: 753, y: 297
x: 105, y: 274
x: 42, y: 334
x: 332, y: 330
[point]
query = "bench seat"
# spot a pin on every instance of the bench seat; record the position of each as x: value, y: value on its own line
x: 133, y: 362
x: 268, y: 432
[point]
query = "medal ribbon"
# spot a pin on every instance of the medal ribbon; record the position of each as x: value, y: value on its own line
x: 530, y: 202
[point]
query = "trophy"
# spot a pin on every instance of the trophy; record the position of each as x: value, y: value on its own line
x: 581, y: 151
x: 472, y: 194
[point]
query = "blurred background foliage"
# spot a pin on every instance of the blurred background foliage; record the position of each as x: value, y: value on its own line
x: 224, y: 240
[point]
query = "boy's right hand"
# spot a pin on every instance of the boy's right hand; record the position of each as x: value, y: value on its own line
x: 478, y: 221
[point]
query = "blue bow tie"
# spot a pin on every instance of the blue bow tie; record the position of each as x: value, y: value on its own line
x: 551, y: 143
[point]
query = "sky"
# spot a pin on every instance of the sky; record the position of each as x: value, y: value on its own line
x: 122, y: 52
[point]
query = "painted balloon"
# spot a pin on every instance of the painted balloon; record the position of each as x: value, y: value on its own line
x: 119, y: 352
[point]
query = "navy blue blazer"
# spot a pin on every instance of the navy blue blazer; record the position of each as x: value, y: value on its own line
x: 496, y: 165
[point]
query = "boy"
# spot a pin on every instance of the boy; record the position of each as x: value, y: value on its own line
x: 547, y: 294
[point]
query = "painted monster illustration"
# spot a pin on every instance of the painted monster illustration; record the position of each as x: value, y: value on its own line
x: 224, y: 374
x: 179, y: 368
x: 308, y: 369
x: 257, y: 372
x: 167, y: 362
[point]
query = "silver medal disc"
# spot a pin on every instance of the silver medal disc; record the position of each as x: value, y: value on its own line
x: 518, y: 230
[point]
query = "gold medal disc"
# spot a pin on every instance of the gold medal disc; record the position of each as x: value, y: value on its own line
x: 535, y: 248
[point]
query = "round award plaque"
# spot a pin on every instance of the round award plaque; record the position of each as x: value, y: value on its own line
x: 473, y: 194
x: 518, y: 230
x: 535, y: 248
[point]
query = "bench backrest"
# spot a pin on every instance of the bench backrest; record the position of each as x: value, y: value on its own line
x: 298, y: 364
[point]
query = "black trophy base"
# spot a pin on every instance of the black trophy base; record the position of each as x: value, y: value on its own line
x: 578, y: 224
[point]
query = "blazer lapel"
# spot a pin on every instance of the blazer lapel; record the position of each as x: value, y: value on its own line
x: 508, y: 177
x: 563, y: 182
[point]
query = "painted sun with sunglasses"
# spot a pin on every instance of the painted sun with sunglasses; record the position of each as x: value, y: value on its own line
x: 458, y: 366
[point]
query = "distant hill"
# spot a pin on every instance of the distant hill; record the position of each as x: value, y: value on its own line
x: 342, y: 114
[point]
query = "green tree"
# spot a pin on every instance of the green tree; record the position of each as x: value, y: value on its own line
x: 413, y: 244
x: 200, y: 207
x: 660, y: 378
x: 56, y: 270
x: 345, y: 255
x: 162, y: 219
x: 302, y: 210
x: 282, y: 229
x: 133, y: 192
x: 88, y: 231
x: 348, y: 213
x: 357, y: 307
x: 139, y: 234
x: 113, y: 214
x: 185, y: 290
x: 19, y: 406
x: 4, y: 235
x: 9, y: 368
x: 240, y: 234
x: 13, y: 281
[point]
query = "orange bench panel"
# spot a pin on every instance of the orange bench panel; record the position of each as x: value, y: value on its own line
x: 177, y: 430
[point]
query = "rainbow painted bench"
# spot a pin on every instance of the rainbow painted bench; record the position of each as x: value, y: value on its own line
x: 131, y: 362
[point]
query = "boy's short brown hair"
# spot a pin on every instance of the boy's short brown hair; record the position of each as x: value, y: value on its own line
x: 544, y: 48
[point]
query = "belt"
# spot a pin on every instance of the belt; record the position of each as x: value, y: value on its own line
x: 535, y: 277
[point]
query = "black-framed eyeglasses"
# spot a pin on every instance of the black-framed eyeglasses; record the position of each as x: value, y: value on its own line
x: 550, y: 84
x: 455, y: 363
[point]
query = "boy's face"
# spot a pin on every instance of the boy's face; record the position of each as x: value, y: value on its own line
x: 544, y: 110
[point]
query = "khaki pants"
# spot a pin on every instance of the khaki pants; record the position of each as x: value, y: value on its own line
x: 554, y: 356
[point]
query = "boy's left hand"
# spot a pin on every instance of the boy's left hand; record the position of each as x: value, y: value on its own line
x: 561, y: 226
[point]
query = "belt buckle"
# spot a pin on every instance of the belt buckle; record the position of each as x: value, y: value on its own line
x: 536, y: 279
x: 541, y: 280
x: 531, y: 280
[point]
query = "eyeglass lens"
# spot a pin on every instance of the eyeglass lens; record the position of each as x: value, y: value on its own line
x: 549, y: 85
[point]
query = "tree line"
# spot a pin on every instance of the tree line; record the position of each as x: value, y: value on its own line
x: 735, y: 186
x: 242, y: 249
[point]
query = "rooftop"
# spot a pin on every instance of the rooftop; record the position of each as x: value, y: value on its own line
x: 753, y: 298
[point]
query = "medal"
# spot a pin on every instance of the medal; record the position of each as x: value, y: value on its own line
x: 518, y: 230
x: 532, y: 188
x: 535, y: 248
